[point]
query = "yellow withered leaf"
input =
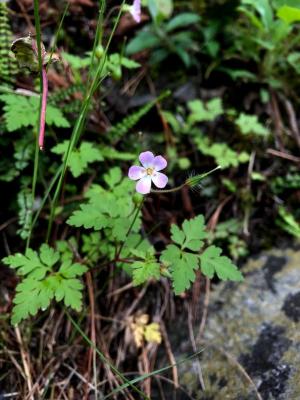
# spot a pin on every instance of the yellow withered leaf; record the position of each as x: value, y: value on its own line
x: 144, y: 332
x: 152, y: 333
x: 26, y: 53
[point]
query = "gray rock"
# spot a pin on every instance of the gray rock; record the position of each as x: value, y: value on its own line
x: 252, y: 336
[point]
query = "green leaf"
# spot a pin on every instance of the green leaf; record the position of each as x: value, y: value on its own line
x: 212, y: 262
x: 182, y: 266
x: 288, y: 14
x: 182, y: 20
x: 204, y: 111
x: 76, y: 62
x: 194, y: 230
x: 89, y: 216
x: 145, y: 270
x: 264, y: 8
x: 182, y: 263
x: 221, y: 152
x: 70, y: 270
x: 160, y: 9
x: 113, y: 154
x: 288, y: 222
x: 129, y: 64
x: 113, y: 177
x: 31, y: 295
x: 190, y: 236
x: 21, y: 111
x: 48, y: 255
x: 70, y: 291
x: 143, y: 40
x: 108, y: 209
x: 24, y: 264
x: 249, y: 124
x: 42, y: 282
x: 79, y: 158
x: 294, y: 60
x: 177, y: 234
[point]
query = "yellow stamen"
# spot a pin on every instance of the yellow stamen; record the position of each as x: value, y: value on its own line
x: 149, y: 171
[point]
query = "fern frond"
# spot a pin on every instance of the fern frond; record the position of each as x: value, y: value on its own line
x: 123, y: 127
x: 66, y: 93
x: 25, y: 211
x: 8, y: 66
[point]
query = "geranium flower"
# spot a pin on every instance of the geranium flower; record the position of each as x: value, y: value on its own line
x: 135, y: 10
x: 148, y: 173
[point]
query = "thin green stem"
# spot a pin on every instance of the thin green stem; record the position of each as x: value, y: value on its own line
x: 175, y: 189
x: 57, y: 33
x: 138, y: 209
x: 50, y: 187
x: 190, y: 182
x: 98, y: 37
x: 77, y: 131
x: 36, y: 154
x: 158, y: 371
x: 104, y: 359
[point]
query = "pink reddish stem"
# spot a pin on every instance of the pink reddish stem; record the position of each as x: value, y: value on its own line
x: 43, y: 109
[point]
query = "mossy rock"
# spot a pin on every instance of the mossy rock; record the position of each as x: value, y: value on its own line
x: 252, y: 337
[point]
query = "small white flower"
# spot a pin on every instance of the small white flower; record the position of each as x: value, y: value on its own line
x: 148, y: 173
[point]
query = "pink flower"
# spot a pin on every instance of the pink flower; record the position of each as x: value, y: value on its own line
x: 148, y: 173
x: 135, y: 10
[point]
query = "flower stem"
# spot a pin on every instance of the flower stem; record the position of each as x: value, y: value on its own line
x: 190, y: 182
x: 138, y: 209
x: 175, y: 189
x: 43, y: 108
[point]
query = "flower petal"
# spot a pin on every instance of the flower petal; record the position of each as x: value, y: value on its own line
x: 147, y: 159
x: 136, y: 10
x: 144, y: 185
x: 136, y: 172
x: 159, y: 163
x: 160, y: 180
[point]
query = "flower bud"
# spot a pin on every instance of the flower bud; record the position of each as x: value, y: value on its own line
x: 193, y: 181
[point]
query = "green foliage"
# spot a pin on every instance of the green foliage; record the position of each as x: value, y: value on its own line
x: 146, y: 267
x: 23, y: 149
x: 109, y: 208
x: 79, y: 159
x: 182, y: 257
x: 76, y: 62
x: 228, y: 234
x: 289, y: 181
x: 25, y: 211
x: 113, y: 64
x: 166, y: 38
x: 221, y: 152
x: 181, y: 21
x: 213, y: 263
x: 122, y: 128
x: 264, y: 34
x: 43, y: 280
x: 205, y: 112
x: 289, y: 14
x: 21, y: 111
x: 160, y: 9
x: 249, y: 125
x: 113, y: 154
x: 287, y: 222
x: 7, y: 63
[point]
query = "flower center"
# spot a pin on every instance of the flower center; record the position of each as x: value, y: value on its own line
x: 149, y: 171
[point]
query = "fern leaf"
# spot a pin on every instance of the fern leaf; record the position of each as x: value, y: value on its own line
x: 123, y: 127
